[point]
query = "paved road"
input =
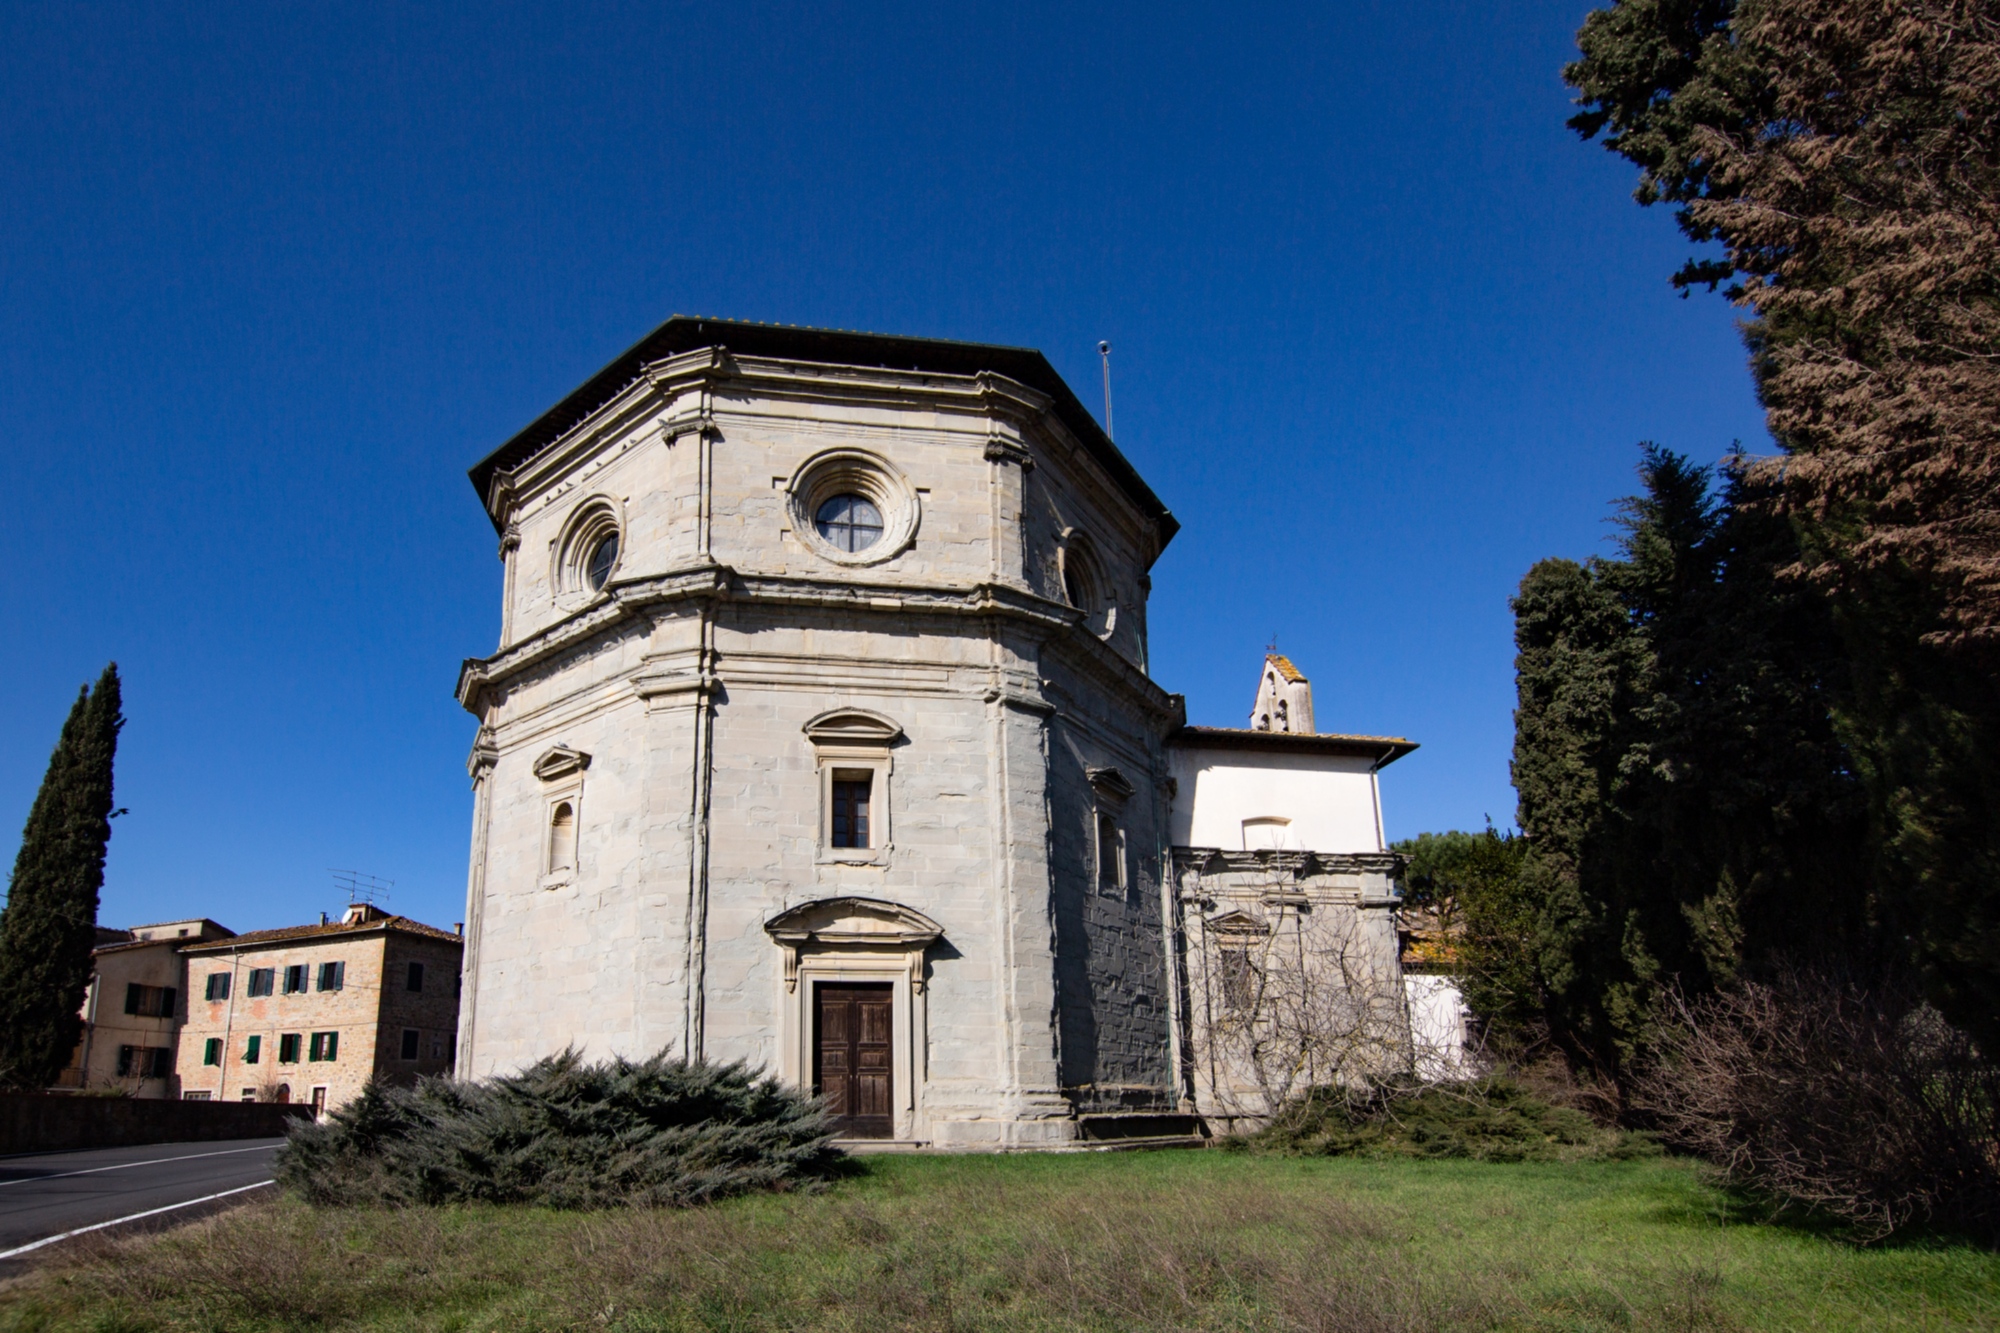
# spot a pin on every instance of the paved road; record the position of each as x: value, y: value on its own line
x: 47, y: 1194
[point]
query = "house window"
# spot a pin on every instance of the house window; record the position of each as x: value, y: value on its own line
x: 150, y: 1001
x: 253, y: 1050
x: 145, y: 1062
x: 415, y: 982
x: 851, y: 791
x: 249, y: 1094
x: 218, y: 986
x: 410, y: 1039
x: 1239, y: 980
x: 332, y: 976
x: 562, y: 837
x: 211, y: 1051
x: 295, y: 979
x: 195, y: 1096
x: 437, y: 1045
x: 288, y: 1048
x: 325, y: 1046
x: 1110, y: 854
x: 260, y: 981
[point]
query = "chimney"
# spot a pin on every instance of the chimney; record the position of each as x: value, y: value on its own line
x: 458, y: 927
x: 322, y: 918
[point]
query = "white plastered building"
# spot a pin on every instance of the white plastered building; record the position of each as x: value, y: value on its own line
x: 820, y: 735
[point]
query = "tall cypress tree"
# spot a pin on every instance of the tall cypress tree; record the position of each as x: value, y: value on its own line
x: 50, y: 923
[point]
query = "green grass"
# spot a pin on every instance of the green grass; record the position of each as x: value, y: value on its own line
x: 1170, y: 1240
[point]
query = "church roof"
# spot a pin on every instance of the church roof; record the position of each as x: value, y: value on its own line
x: 1385, y: 750
x: 1285, y: 668
x: 686, y: 333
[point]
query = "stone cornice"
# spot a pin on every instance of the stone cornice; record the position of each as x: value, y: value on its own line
x: 1297, y: 865
x: 631, y: 599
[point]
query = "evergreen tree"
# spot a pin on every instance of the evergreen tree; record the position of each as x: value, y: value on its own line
x: 1690, y: 811
x: 50, y: 923
x: 1845, y: 154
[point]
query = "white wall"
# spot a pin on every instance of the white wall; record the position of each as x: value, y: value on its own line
x: 1329, y: 801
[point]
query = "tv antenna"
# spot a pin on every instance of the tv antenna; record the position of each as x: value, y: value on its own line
x: 362, y: 887
x: 1104, y: 353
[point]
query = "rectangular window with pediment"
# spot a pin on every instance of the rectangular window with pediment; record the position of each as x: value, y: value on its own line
x: 852, y: 750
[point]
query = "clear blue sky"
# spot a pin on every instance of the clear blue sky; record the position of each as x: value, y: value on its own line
x: 273, y: 277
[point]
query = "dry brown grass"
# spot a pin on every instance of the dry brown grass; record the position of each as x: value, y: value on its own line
x: 1137, y: 1242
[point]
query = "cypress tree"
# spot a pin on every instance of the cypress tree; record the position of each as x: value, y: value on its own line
x: 50, y: 924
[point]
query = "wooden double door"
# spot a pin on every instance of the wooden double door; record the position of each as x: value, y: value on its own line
x: 854, y: 1057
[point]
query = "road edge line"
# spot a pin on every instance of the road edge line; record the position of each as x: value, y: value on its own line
x: 119, y: 1221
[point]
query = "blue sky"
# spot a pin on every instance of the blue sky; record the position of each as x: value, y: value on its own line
x: 273, y: 277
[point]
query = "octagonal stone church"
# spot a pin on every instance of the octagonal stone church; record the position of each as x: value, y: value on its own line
x: 820, y: 735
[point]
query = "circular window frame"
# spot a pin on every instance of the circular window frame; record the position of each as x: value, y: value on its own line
x: 589, y: 524
x: 835, y: 472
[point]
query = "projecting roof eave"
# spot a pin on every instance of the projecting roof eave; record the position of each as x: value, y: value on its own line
x: 685, y: 333
x: 1384, y: 750
x: 331, y: 930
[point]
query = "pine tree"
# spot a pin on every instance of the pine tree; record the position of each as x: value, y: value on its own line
x: 50, y: 924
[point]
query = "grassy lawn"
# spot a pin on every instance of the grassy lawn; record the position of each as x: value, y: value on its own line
x: 1170, y: 1240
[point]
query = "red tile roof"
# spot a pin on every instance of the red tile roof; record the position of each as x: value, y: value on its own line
x: 331, y: 930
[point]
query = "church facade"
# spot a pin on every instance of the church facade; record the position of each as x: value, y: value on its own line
x: 820, y: 735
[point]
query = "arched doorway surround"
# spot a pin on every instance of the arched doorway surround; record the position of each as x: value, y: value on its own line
x: 844, y: 942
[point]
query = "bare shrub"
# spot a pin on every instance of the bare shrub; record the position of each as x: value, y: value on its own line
x: 1820, y: 1093
x: 1312, y: 1000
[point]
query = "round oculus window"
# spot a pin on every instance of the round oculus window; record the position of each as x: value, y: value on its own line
x: 597, y: 570
x: 849, y: 523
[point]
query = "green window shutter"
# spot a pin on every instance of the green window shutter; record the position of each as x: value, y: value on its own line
x: 211, y: 1051
x: 253, y: 1050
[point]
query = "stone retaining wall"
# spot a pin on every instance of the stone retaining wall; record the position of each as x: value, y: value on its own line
x: 49, y: 1122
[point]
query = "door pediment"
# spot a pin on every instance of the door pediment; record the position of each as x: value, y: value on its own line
x: 854, y: 923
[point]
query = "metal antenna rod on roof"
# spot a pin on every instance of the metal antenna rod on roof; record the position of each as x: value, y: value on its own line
x: 362, y: 887
x: 1104, y: 351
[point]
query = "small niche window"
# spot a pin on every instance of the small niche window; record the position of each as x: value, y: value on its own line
x: 1076, y: 585
x: 562, y: 837
x: 414, y: 982
x: 849, y: 523
x: 1239, y: 979
x: 852, y: 788
x: 603, y: 559
x: 411, y: 1037
x: 1266, y: 833
x: 1110, y: 855
x: 218, y: 986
